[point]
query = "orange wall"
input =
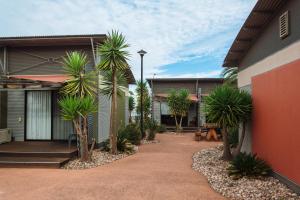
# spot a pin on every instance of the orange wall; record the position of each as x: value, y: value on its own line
x: 276, y: 119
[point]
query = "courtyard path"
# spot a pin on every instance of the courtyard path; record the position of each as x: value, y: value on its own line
x: 157, y: 171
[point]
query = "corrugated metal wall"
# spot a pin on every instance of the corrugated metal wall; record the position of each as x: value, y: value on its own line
x: 15, y: 115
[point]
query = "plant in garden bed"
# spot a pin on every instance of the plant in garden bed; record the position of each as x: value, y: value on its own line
x: 161, y: 128
x: 78, y: 98
x: 228, y: 107
x: 248, y: 165
x: 179, y: 103
x: 151, y: 126
x: 132, y: 133
x: 114, y: 57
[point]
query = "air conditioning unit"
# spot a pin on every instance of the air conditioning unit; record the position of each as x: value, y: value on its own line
x: 5, y: 135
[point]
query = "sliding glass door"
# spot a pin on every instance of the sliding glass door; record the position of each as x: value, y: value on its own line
x: 38, y: 115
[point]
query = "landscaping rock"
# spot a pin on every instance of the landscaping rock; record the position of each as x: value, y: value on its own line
x: 208, y: 162
x: 98, y: 158
x: 150, y: 141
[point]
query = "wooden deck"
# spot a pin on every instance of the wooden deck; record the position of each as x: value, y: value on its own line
x: 36, y: 154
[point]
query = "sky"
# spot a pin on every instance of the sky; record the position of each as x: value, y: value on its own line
x: 183, y: 38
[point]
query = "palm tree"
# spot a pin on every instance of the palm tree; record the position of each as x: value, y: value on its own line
x: 80, y: 82
x: 226, y: 107
x: 74, y: 109
x: 114, y: 57
x: 230, y: 75
x: 146, y: 99
x: 81, y: 85
x: 107, y: 85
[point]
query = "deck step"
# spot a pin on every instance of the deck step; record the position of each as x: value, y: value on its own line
x: 48, y: 154
x: 32, y: 162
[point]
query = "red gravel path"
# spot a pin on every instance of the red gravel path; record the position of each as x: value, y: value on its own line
x: 157, y: 171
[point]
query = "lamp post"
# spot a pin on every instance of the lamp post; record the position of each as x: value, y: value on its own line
x: 142, y: 53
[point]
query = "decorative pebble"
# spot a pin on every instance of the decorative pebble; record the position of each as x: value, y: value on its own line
x: 208, y: 163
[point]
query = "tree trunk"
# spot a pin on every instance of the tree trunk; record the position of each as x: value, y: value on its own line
x: 84, y: 149
x: 238, y: 148
x: 180, y: 123
x: 176, y: 123
x: 130, y: 119
x: 113, y: 116
x: 226, y: 151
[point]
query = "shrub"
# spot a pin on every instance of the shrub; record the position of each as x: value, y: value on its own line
x: 123, y: 145
x: 248, y: 165
x: 132, y: 133
x: 161, y: 128
x: 152, y: 126
x: 233, y: 137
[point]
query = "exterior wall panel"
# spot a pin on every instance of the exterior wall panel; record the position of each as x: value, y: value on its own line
x: 15, y: 113
x: 276, y: 133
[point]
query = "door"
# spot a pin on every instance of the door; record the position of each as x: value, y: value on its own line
x: 38, y: 115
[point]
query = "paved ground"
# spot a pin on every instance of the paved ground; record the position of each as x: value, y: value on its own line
x: 157, y: 171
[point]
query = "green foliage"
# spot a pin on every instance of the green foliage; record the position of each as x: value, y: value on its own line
x: 132, y: 134
x: 131, y: 103
x: 80, y: 82
x: 73, y: 107
x: 230, y: 75
x: 152, y: 126
x: 248, y: 165
x: 227, y: 106
x: 123, y: 144
x: 106, y: 83
x: 179, y: 103
x: 233, y: 137
x: 161, y: 128
x: 114, y: 52
x: 146, y: 99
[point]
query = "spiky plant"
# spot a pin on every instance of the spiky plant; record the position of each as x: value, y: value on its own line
x: 248, y: 165
x: 230, y: 75
x: 114, y: 57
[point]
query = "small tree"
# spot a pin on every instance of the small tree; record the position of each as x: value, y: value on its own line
x: 114, y: 56
x: 78, y: 102
x: 74, y: 109
x: 226, y: 107
x: 146, y: 101
x: 131, y: 105
x: 179, y: 104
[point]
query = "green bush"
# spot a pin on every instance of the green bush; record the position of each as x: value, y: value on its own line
x: 161, y: 128
x: 132, y: 133
x: 152, y: 126
x: 248, y: 165
x: 123, y: 145
x: 233, y: 137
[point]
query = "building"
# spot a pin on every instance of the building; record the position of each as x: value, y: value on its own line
x: 267, y: 54
x: 197, y: 87
x: 31, y: 76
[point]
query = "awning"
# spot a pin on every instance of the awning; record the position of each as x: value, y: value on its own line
x: 43, y: 78
x: 192, y: 97
x: 29, y: 82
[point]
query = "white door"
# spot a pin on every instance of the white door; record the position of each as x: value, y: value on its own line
x: 38, y: 117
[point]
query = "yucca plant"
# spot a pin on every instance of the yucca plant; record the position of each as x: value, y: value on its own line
x: 107, y: 85
x: 248, y: 165
x: 80, y: 82
x: 114, y: 57
x: 224, y: 106
x: 230, y: 75
x: 76, y: 109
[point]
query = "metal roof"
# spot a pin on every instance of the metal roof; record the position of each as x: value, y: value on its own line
x: 214, y: 80
x: 262, y: 13
x: 51, y: 40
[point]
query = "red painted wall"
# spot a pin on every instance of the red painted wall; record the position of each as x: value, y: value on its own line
x: 276, y: 119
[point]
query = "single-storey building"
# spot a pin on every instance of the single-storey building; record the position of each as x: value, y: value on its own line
x: 267, y: 54
x: 31, y: 70
x: 197, y: 87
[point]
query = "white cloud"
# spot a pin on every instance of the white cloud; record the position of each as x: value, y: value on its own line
x: 209, y: 74
x: 170, y: 31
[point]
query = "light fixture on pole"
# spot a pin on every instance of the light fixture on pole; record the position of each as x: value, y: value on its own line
x: 142, y: 53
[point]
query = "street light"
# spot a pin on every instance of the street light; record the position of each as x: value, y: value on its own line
x: 142, y: 53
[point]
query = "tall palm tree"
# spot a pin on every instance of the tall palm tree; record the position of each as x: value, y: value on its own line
x: 107, y: 85
x: 80, y: 82
x: 230, y: 75
x: 114, y: 57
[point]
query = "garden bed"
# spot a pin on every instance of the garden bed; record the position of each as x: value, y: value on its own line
x: 98, y: 158
x: 208, y: 162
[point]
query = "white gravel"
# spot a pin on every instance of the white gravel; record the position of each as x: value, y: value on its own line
x: 150, y: 141
x: 98, y: 158
x: 208, y: 162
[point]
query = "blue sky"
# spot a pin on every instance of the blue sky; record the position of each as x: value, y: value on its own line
x: 183, y: 38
